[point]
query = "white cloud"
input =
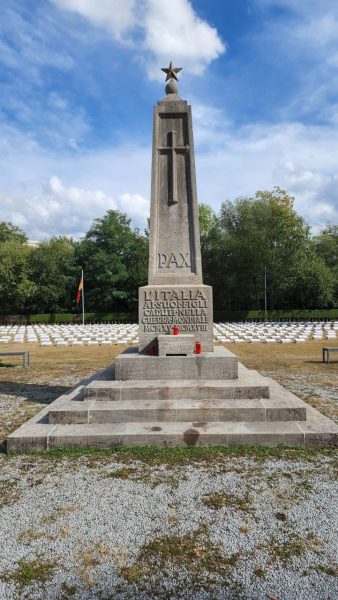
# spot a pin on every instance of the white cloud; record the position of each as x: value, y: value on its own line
x: 160, y: 30
x: 34, y: 49
x: 137, y: 208
x: 316, y: 29
x: 115, y: 16
x: 173, y: 31
x: 48, y: 193
x: 238, y: 162
x: 61, y: 210
x: 51, y: 194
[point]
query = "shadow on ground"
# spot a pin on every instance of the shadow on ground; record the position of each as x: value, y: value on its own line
x: 33, y: 392
x: 320, y: 362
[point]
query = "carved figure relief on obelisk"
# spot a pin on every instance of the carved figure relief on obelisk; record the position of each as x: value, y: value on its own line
x: 175, y: 294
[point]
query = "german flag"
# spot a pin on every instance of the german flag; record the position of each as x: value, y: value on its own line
x: 79, y: 290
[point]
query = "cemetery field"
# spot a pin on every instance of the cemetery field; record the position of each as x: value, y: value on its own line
x: 205, y: 523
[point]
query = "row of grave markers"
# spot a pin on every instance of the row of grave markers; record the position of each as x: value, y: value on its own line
x: 70, y: 335
x: 285, y: 333
x: 108, y: 334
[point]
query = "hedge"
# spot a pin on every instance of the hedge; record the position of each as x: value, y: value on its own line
x: 90, y: 317
x: 275, y: 315
x: 127, y: 317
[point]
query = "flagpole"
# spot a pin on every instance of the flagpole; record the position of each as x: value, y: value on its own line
x: 82, y: 295
x: 265, y: 298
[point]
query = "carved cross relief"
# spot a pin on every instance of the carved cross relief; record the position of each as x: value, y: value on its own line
x: 172, y: 150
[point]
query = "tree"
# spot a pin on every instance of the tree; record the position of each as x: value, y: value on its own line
x: 16, y: 285
x: 54, y: 272
x: 213, y: 249
x: 313, y: 285
x: 114, y: 259
x: 8, y: 231
x: 208, y: 220
x: 326, y: 244
x: 265, y: 232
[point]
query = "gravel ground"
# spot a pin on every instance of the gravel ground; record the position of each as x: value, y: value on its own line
x: 19, y: 402
x: 104, y: 526
x: 319, y: 390
x: 251, y: 526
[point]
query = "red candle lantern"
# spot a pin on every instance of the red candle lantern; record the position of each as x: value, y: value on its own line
x: 176, y: 330
x: 197, y: 348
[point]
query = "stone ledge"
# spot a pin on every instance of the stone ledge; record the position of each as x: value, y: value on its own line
x: 318, y: 433
x: 169, y: 390
x: 176, y: 410
x: 220, y: 364
x: 176, y: 434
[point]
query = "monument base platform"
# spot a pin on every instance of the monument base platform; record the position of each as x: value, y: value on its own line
x: 106, y: 411
x: 220, y: 364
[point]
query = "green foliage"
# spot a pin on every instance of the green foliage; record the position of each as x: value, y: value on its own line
x: 30, y: 571
x: 327, y: 249
x: 16, y: 286
x: 44, y: 279
x: 263, y: 231
x: 90, y: 317
x: 11, y: 232
x: 55, y: 274
x: 114, y: 259
x: 312, y: 285
x: 237, y: 244
x: 275, y: 315
x: 252, y: 234
x: 155, y: 455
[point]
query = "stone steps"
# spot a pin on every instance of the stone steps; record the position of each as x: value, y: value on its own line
x: 176, y: 434
x: 317, y: 431
x: 204, y: 427
x: 254, y: 386
x: 182, y: 410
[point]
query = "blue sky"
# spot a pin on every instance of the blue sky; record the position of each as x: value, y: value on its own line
x: 78, y: 79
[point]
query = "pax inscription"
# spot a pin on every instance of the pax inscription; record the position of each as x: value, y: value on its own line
x: 177, y: 260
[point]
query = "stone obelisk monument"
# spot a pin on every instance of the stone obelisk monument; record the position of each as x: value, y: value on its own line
x: 165, y: 392
x: 175, y: 294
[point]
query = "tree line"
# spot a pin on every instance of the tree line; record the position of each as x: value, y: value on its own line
x: 245, y: 241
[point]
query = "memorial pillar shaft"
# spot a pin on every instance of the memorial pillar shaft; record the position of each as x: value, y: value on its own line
x: 175, y: 294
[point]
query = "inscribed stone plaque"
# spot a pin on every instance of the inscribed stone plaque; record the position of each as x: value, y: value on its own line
x: 188, y: 307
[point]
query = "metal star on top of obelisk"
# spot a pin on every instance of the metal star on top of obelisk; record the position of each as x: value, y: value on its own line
x: 171, y: 71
